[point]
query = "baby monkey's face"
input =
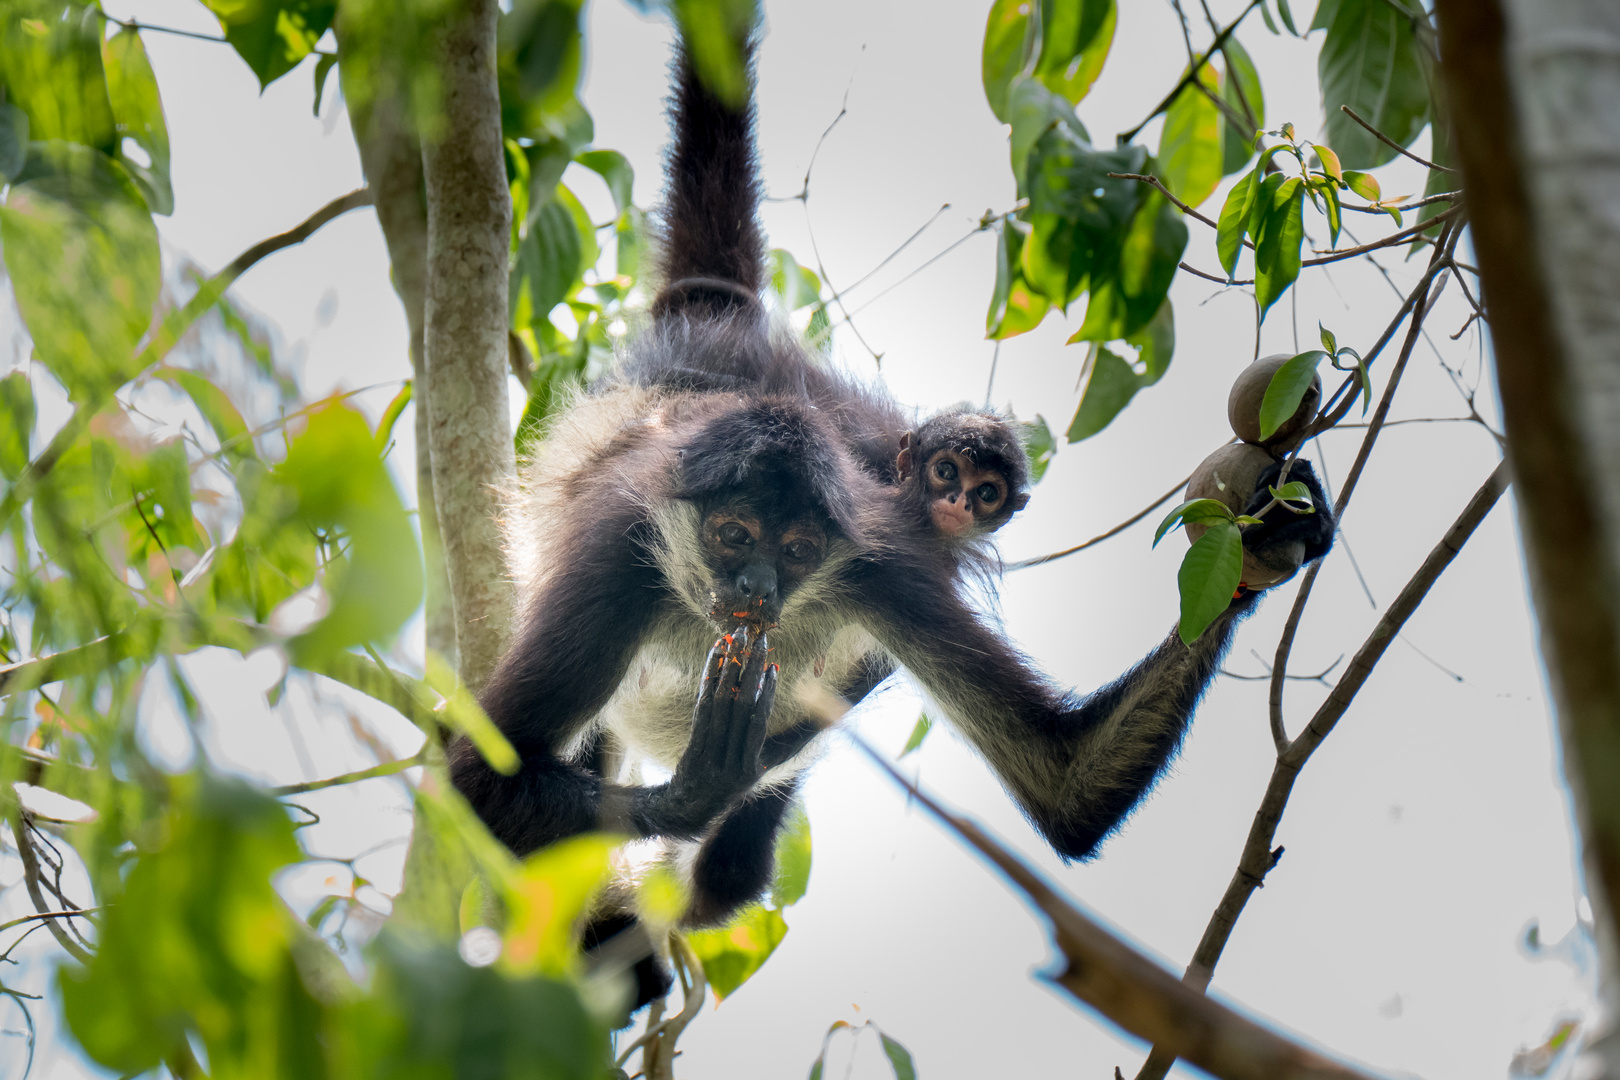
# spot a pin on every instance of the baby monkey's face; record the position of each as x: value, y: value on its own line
x: 964, y: 498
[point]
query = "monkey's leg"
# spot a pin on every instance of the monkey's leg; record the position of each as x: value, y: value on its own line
x: 734, y: 865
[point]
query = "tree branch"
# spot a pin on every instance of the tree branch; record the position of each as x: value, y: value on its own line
x: 1258, y: 856
x: 1192, y: 74
x: 1115, y: 531
x: 387, y: 768
x: 469, y: 215
x: 1392, y: 144
x: 30, y: 865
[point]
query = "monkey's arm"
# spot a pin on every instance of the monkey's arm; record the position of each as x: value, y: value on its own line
x: 572, y: 652
x: 1076, y: 767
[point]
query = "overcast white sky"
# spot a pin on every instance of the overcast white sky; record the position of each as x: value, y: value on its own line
x: 1423, y: 838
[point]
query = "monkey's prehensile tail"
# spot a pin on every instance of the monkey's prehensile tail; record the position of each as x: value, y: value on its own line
x: 713, y: 253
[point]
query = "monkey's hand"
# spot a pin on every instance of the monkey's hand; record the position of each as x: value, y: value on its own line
x: 723, y: 759
x: 1287, y: 538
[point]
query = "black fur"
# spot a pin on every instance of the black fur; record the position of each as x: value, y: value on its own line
x: 750, y: 421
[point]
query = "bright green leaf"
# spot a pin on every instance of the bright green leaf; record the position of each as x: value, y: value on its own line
x: 1193, y: 512
x: 1240, y: 88
x: 1364, y: 184
x: 1109, y: 388
x: 463, y: 713
x: 390, y: 417
x: 1208, y: 578
x: 50, y: 61
x: 919, y: 732
x: 272, y: 36
x: 1329, y: 342
x: 614, y: 168
x: 547, y: 899
x: 795, y: 286
x: 1287, y: 16
x: 1335, y: 213
x: 216, y: 408
x: 713, y: 31
x: 793, y: 853
x: 1075, y: 38
x: 82, y: 254
x: 1033, y: 111
x: 1286, y: 390
x: 1277, y: 246
x: 1234, y: 221
x: 1041, y: 446
x: 16, y: 423
x: 1190, y: 154
x: 323, y: 68
x: 1291, y: 492
x: 1329, y: 160
x: 138, y: 117
x: 1007, y: 48
x: 731, y: 954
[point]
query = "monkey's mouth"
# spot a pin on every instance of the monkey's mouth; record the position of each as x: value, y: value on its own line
x: 730, y: 614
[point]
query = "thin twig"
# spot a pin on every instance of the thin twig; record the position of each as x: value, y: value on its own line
x: 1155, y: 182
x: 1444, y: 196
x: 30, y: 864
x: 1259, y: 857
x: 71, y: 913
x: 1392, y: 144
x: 387, y: 768
x: 1192, y: 73
x: 1115, y: 531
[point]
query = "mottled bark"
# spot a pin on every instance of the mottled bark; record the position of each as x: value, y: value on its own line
x: 469, y: 213
x: 1535, y: 87
x: 391, y: 156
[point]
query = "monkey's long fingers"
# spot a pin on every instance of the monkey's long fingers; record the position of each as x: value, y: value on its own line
x: 760, y: 720
x: 730, y: 681
x: 739, y: 746
x: 703, y: 719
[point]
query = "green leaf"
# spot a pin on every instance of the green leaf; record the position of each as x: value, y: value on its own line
x: 1234, y: 220
x: 1075, y: 38
x: 340, y: 484
x: 1190, y: 153
x: 50, y: 61
x: 713, y: 31
x: 1193, y: 512
x: 1014, y: 307
x: 614, y: 168
x: 1277, y: 247
x: 13, y: 141
x: 82, y: 254
x: 1078, y: 213
x: 1240, y: 88
x: 1157, y: 343
x: 138, y: 117
x: 821, y: 1058
x: 1286, y: 390
x: 1265, y: 13
x: 1007, y: 48
x: 550, y: 260
x: 793, y: 851
x: 216, y: 409
x: 1329, y: 160
x: 272, y: 36
x: 1371, y: 61
x: 1041, y: 446
x: 1287, y: 16
x: 1293, y: 491
x: 794, y: 285
x: 16, y: 423
x: 731, y: 954
x: 323, y: 68
x: 546, y: 901
x: 1109, y: 388
x: 463, y: 713
x: 1325, y: 11
x: 920, y: 730
x: 390, y: 417
x: 1033, y: 111
x: 1209, y: 575
x: 198, y: 927
x: 1364, y: 185
x: 899, y: 1057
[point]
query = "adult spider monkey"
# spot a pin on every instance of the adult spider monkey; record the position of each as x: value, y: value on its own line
x: 721, y: 483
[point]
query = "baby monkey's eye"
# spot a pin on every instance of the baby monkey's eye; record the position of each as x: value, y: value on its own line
x: 988, y: 494
x: 800, y: 551
x: 734, y: 535
x: 945, y: 470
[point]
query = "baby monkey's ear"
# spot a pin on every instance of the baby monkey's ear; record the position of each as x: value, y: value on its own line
x: 902, y: 463
x: 1018, y: 501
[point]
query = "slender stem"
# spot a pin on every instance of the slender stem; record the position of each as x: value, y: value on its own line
x: 30, y: 865
x: 1397, y: 147
x: 1259, y: 857
x: 387, y: 768
x: 71, y: 913
x: 1154, y: 181
x: 1115, y: 531
x: 1192, y: 73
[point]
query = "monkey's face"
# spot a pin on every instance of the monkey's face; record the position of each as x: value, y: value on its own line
x: 964, y: 499
x: 757, y: 559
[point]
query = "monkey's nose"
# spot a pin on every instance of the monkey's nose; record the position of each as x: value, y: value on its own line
x: 757, y: 583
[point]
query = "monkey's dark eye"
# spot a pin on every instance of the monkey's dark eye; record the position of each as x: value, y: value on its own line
x: 945, y: 470
x: 799, y: 551
x: 734, y: 535
x: 987, y: 494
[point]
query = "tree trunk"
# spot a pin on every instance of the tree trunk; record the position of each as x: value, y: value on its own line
x: 391, y: 156
x: 469, y: 215
x: 1535, y: 86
